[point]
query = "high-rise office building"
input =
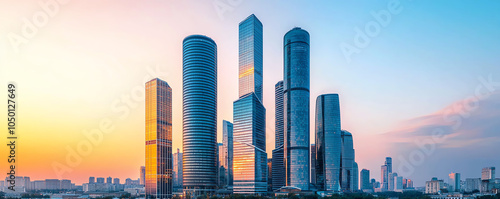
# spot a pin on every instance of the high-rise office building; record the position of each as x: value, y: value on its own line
x: 472, y: 184
x: 296, y: 107
x: 142, y: 177
x: 347, y: 162
x: 100, y: 180
x: 355, y: 177
x: 365, y: 180
x: 221, y: 180
x: 488, y: 173
x: 177, y: 172
x: 278, y: 172
x: 199, y: 115
x: 158, y: 173
x: 329, y: 143
x: 116, y: 181
x: 91, y: 180
x: 313, y: 164
x: 227, y: 141
x: 386, y: 169
x: 249, y: 133
x: 109, y: 180
x: 455, y: 182
x: 269, y: 176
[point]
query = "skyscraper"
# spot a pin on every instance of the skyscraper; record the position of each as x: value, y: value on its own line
x: 296, y: 107
x: 329, y: 143
x: 455, y: 181
x: 199, y: 115
x: 142, y: 176
x: 249, y: 133
x: 386, y: 169
x: 100, y: 180
x: 177, y: 173
x: 347, y: 162
x: 313, y: 164
x: 278, y: 170
x: 91, y: 180
x: 355, y: 177
x: 488, y: 173
x: 158, y: 139
x: 109, y: 180
x: 365, y: 180
x: 227, y: 141
x: 221, y: 177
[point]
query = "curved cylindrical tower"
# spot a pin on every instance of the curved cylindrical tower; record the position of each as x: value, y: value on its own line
x: 296, y: 107
x: 199, y: 94
x: 328, y: 143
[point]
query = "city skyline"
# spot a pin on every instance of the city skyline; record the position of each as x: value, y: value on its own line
x: 462, y: 80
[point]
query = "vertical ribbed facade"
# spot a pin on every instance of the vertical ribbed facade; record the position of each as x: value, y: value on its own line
x: 227, y: 141
x: 199, y: 115
x: 278, y: 170
x: 347, y: 162
x: 328, y: 142
x: 296, y: 106
x: 158, y: 175
x: 249, y: 117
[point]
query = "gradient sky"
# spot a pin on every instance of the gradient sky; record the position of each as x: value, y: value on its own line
x: 88, y: 64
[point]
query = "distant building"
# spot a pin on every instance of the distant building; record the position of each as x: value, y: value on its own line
x: 227, y: 142
x: 398, y: 183
x: 116, y: 181
x: 488, y: 173
x: 365, y: 180
x: 177, y: 172
x: 472, y: 184
x: 109, y: 180
x: 391, y: 182
x: 355, y: 177
x: 313, y: 164
x: 454, y: 182
x: 434, y: 186
x: 91, y: 180
x: 142, y: 176
x: 100, y: 180
x: 386, y: 170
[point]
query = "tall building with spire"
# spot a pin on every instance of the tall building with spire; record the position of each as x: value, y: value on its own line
x: 158, y: 183
x: 249, y: 132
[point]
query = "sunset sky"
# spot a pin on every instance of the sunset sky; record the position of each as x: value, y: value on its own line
x: 83, y: 64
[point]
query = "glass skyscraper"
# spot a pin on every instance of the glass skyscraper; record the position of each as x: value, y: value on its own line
x: 278, y: 170
x: 199, y: 115
x: 227, y: 142
x: 328, y: 143
x: 177, y: 170
x: 249, y: 133
x: 386, y: 169
x: 250, y: 57
x: 365, y: 180
x: 158, y: 139
x: 296, y: 107
x: 347, y: 162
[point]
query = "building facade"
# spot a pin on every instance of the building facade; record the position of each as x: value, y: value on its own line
x: 177, y: 173
x: 347, y: 162
x: 365, y: 180
x: 158, y: 139
x: 227, y: 141
x: 249, y: 132
x: 455, y: 182
x: 328, y: 143
x: 296, y: 108
x: 278, y: 171
x: 313, y: 164
x: 199, y: 115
